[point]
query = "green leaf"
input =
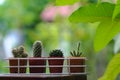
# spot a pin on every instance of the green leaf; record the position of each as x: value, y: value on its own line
x: 105, y: 33
x: 66, y: 2
x: 116, y: 10
x: 98, y: 13
x: 93, y: 13
x: 113, y: 69
x: 99, y: 1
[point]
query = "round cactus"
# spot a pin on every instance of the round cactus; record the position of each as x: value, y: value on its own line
x: 37, y: 49
x: 56, y: 53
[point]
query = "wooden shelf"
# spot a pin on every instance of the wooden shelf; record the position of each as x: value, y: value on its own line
x: 41, y: 77
x: 78, y: 74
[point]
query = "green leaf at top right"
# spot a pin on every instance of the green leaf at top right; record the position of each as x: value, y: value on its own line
x: 93, y: 13
x: 116, y: 12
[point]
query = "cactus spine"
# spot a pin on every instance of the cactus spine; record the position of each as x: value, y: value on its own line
x: 37, y: 49
x: 19, y: 52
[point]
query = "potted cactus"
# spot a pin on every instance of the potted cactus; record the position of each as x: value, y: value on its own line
x: 76, y: 60
x: 55, y: 61
x: 36, y: 63
x: 18, y: 62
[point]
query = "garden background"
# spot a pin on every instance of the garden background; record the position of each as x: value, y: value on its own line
x: 62, y: 24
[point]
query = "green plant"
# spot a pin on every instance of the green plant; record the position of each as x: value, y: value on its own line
x: 108, y: 14
x: 37, y: 49
x: 76, y: 53
x: 56, y: 53
x: 19, y: 52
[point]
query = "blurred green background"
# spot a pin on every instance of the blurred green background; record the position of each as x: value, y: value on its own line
x: 24, y: 21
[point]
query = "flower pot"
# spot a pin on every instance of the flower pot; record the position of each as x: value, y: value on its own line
x: 56, y: 64
x: 76, y: 64
x: 37, y: 65
x: 17, y: 65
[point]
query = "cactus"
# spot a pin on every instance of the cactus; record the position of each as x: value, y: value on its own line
x: 24, y: 55
x: 37, y: 49
x: 21, y: 49
x: 19, y: 52
x: 56, y: 53
x: 76, y: 53
x: 15, y: 52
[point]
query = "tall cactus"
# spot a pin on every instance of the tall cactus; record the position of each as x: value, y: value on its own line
x: 37, y: 49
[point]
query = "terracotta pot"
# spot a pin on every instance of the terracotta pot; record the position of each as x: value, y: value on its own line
x: 78, y: 61
x: 39, y: 63
x: 55, y: 63
x: 18, y: 69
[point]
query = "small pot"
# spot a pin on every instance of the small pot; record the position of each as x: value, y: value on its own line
x: 38, y: 62
x: 55, y: 62
x: 76, y: 61
x: 15, y: 65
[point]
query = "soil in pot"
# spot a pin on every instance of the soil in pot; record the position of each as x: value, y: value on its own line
x: 36, y: 64
x: 15, y: 65
x: 57, y: 63
x: 73, y: 61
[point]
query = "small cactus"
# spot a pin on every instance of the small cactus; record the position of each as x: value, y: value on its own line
x: 56, y: 53
x: 76, y: 53
x: 15, y: 52
x: 37, y: 49
x: 19, y: 52
x: 21, y: 49
x: 24, y: 55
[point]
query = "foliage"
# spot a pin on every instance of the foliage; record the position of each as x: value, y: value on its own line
x: 113, y: 69
x: 99, y: 1
x: 46, y: 32
x: 93, y: 13
x: 2, y: 66
x: 63, y: 2
x: 116, y: 10
x: 70, y: 2
x: 104, y: 33
x: 22, y: 14
x: 108, y: 14
x: 102, y: 13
